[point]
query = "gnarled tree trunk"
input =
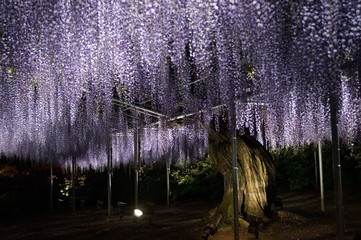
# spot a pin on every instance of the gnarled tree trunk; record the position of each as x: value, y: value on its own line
x: 256, y: 174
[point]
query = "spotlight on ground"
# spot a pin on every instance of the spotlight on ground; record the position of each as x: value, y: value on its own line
x: 138, y: 212
x: 209, y: 230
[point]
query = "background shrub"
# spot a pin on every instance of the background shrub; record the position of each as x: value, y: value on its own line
x: 201, y: 180
x: 295, y: 166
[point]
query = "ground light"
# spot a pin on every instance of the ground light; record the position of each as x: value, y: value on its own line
x: 209, y: 230
x: 138, y: 212
x: 137, y: 217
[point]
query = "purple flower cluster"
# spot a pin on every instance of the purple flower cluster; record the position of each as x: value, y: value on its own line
x: 74, y: 72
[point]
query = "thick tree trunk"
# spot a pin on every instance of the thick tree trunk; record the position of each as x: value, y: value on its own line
x: 256, y: 174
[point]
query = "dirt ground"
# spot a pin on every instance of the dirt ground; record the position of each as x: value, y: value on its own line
x: 301, y: 218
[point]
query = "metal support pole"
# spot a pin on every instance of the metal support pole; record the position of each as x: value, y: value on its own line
x: 168, y: 183
x: 263, y: 129
x: 316, y: 170
x: 321, y: 176
x: 136, y: 162
x: 337, y: 171
x: 73, y: 180
x: 235, y: 185
x: 51, y: 184
x: 224, y: 184
x: 130, y: 182
x: 109, y: 180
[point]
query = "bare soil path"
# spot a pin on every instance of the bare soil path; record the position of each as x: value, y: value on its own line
x: 301, y: 219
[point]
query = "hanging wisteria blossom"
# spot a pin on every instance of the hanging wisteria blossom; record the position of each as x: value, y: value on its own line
x: 74, y: 73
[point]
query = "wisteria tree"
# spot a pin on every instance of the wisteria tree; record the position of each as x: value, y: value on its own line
x: 256, y: 174
x: 280, y: 66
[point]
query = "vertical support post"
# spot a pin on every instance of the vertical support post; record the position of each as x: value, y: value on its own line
x: 130, y: 183
x: 51, y: 184
x: 358, y: 60
x: 110, y: 179
x: 136, y: 162
x: 316, y: 170
x: 263, y: 129
x: 168, y: 183
x: 224, y: 184
x: 321, y: 177
x: 235, y: 185
x: 337, y: 171
x: 73, y: 180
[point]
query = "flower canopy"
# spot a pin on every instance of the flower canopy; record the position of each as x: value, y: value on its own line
x: 74, y: 73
